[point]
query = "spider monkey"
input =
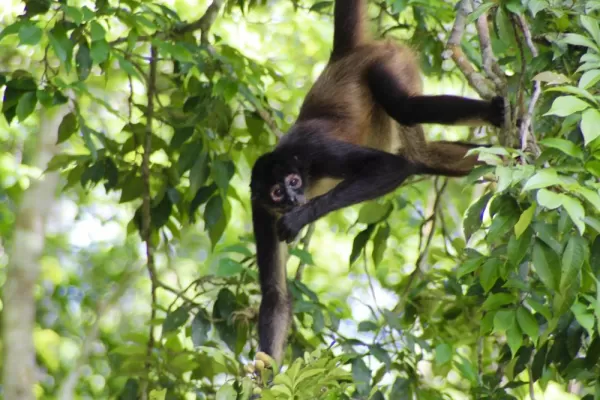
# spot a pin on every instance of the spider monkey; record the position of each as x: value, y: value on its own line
x: 357, y: 137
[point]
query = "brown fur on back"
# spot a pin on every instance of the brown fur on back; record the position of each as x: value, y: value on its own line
x: 341, y: 93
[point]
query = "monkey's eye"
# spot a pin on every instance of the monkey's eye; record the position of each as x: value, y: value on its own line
x: 277, y: 194
x: 294, y: 181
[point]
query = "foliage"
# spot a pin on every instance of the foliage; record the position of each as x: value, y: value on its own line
x: 503, y: 304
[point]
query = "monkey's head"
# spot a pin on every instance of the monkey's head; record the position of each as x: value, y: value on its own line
x: 278, y: 182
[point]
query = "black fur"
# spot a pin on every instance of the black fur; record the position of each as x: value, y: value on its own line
x: 327, y: 158
x: 444, y: 109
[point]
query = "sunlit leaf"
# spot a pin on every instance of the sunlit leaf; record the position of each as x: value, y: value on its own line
x: 567, y: 105
x: 590, y: 121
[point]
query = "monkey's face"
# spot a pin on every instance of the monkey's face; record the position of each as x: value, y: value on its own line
x: 278, y: 183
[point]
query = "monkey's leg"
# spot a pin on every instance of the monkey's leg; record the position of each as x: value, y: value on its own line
x: 445, y: 109
x: 367, y: 174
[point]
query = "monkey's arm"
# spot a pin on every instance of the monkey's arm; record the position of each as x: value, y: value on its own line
x: 275, y: 312
x: 444, y: 109
x: 367, y: 174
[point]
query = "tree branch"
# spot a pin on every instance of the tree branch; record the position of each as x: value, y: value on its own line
x: 205, y: 22
x: 477, y: 81
x: 28, y: 242
x: 305, y: 243
x: 146, y: 216
x: 526, y: 134
x: 490, y: 66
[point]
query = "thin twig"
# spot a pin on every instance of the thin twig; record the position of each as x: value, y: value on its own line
x: 432, y: 218
x: 305, y: 243
x: 146, y: 217
x: 526, y: 134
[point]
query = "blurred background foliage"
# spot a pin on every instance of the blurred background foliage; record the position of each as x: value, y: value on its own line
x: 483, y: 287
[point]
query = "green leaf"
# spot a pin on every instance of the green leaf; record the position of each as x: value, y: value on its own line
x: 99, y: 51
x: 12, y: 29
x: 83, y: 61
x: 595, y: 257
x: 479, y: 11
x: 359, y: 243
x: 61, y: 44
x: 524, y: 220
x: 67, y: 127
x: 372, y: 212
x: 473, y: 219
x: 584, y: 317
x: 566, y: 105
x: 546, y: 264
x: 74, y: 13
x: 367, y: 326
x: 504, y: 26
x: 321, y: 5
x: 514, y: 338
x: 591, y: 25
x: 443, y: 354
x: 380, y: 354
x: 175, y: 319
x: 497, y: 300
x: 303, y: 255
x: 528, y: 323
x: 29, y: 34
x: 535, y: 6
x: 590, y: 121
x: 572, y: 260
x: 566, y: 146
x: 590, y: 195
x: 548, y: 199
x: 189, y: 155
x: 539, y: 308
x: 589, y: 79
x: 544, y: 178
x: 580, y: 40
x: 26, y: 105
x: 97, y: 31
x: 361, y: 375
x: 226, y: 392
x: 201, y: 197
x: 575, y: 210
x: 128, y: 67
x: 518, y: 248
x: 213, y: 211
x: 504, y: 320
x: 229, y: 267
x: 490, y: 272
x: 380, y: 243
x: 223, y: 171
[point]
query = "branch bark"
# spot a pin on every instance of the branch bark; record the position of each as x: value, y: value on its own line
x: 18, y: 315
x: 477, y: 81
x: 146, y: 216
x: 205, y: 22
x: 526, y: 134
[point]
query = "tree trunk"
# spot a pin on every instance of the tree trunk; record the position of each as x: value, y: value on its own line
x: 18, y: 316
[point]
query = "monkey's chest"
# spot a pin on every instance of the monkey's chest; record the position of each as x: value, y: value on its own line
x: 321, y: 186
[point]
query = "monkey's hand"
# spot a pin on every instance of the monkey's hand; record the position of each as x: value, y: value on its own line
x: 290, y: 224
x: 496, y: 116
